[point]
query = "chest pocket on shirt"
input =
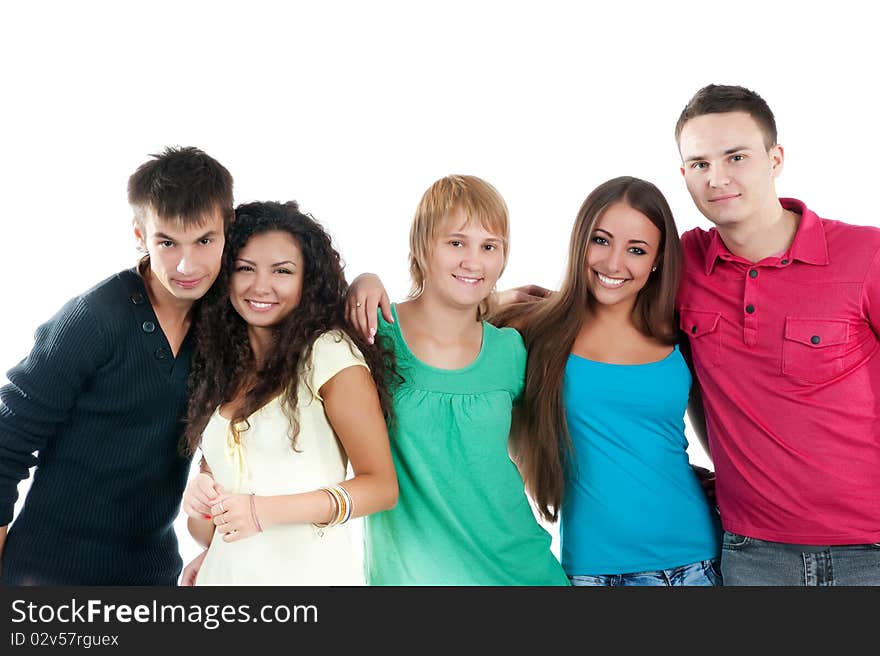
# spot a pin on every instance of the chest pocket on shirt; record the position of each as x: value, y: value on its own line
x: 704, y: 333
x: 813, y: 349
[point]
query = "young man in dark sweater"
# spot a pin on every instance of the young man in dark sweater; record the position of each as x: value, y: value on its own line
x: 98, y: 404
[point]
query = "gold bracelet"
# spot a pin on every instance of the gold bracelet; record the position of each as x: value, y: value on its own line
x: 341, y: 505
x: 349, y: 503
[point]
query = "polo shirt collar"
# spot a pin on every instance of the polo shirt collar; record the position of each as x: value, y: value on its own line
x: 809, y: 245
x: 713, y: 253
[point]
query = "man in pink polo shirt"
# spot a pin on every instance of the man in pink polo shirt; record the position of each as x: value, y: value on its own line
x: 782, y: 310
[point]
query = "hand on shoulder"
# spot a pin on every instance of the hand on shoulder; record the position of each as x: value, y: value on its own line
x: 522, y: 294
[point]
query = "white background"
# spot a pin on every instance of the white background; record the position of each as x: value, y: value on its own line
x: 354, y: 108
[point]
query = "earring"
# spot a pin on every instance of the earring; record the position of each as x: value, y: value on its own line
x: 653, y: 269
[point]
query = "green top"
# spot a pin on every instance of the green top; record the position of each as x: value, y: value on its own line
x: 462, y: 517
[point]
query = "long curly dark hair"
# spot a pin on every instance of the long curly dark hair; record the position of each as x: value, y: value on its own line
x: 223, y: 357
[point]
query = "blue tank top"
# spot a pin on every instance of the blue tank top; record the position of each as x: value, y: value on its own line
x: 632, y: 502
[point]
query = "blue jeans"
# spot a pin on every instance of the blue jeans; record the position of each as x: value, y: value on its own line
x: 749, y: 561
x: 702, y: 573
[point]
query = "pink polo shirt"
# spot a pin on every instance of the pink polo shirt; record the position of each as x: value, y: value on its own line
x: 787, y: 354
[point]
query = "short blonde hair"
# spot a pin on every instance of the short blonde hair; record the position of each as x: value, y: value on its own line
x: 475, y: 198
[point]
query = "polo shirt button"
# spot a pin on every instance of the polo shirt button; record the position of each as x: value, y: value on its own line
x: 693, y: 329
x: 783, y: 262
x: 148, y: 326
x: 750, y: 308
x: 137, y: 298
x: 161, y: 353
x: 753, y: 273
x: 815, y: 339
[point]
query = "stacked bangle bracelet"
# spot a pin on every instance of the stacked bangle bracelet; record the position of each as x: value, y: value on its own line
x: 342, y: 504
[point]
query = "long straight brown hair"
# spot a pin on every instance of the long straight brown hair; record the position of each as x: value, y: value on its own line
x: 541, y: 442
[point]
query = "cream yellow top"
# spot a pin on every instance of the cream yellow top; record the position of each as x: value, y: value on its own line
x: 265, y: 463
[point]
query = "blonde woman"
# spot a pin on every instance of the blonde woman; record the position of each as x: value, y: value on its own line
x: 462, y: 517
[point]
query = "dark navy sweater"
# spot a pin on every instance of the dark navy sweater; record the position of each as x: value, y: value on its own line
x: 100, y: 401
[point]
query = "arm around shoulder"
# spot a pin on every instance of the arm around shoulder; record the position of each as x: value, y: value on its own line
x: 366, y: 295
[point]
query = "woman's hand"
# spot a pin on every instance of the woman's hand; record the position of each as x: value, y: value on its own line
x: 235, y: 516
x: 201, y: 492
x: 365, y: 295
x: 524, y: 294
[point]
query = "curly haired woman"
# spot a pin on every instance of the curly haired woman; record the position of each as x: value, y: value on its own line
x: 282, y: 396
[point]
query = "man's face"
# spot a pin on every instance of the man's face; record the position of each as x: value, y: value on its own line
x: 728, y: 170
x: 184, y: 261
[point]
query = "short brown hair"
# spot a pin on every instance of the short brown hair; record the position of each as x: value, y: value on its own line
x: 720, y: 98
x: 183, y: 184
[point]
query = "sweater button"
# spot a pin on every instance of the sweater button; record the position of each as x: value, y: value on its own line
x: 161, y: 353
x: 148, y: 326
x: 137, y: 298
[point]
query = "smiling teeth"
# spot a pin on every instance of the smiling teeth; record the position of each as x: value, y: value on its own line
x: 610, y: 281
x: 468, y: 280
x: 260, y: 306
